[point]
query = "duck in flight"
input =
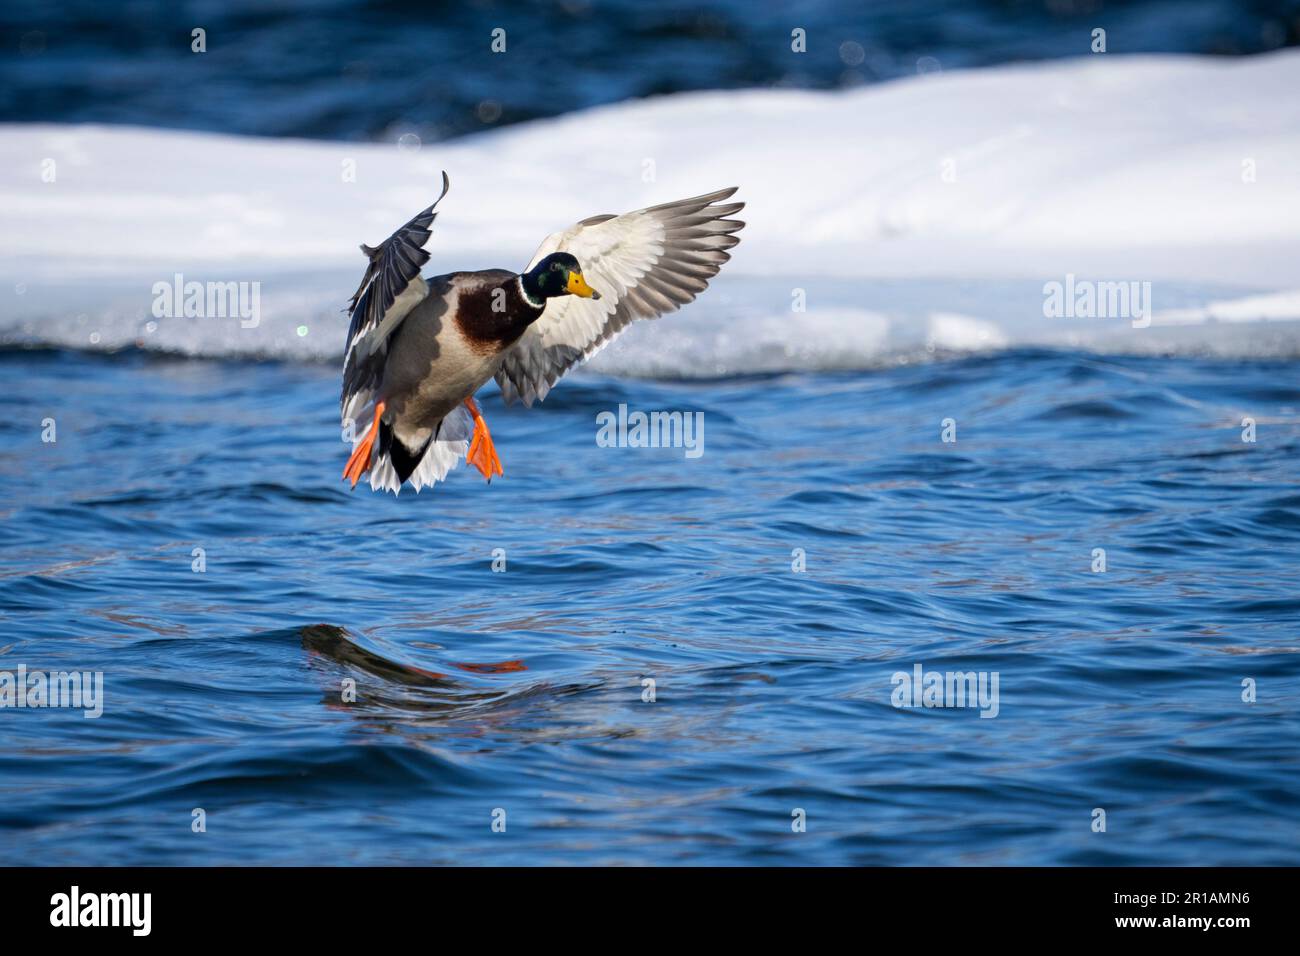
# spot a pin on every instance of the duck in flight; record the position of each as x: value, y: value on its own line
x: 418, y: 349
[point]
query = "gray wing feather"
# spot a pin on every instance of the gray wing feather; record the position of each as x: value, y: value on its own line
x: 644, y: 264
x: 391, y: 287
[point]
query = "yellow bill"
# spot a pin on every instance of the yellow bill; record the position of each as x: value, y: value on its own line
x: 578, y: 286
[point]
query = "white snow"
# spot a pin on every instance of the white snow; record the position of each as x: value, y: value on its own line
x: 917, y: 215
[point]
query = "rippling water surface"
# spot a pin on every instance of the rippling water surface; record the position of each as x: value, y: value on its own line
x: 522, y: 690
x: 383, y: 69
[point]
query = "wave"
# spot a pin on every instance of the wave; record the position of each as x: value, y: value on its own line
x: 905, y: 221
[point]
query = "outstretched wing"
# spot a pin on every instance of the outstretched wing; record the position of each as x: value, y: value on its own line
x: 391, y: 288
x: 643, y: 264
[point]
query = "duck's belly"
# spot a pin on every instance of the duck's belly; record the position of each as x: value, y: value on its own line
x: 449, y: 383
x: 420, y: 393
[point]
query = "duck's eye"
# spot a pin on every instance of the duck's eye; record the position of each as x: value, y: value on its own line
x: 556, y: 267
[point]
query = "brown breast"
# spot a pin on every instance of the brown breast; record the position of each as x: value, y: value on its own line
x: 491, y: 316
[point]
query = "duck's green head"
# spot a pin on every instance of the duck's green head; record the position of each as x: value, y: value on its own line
x: 558, y: 274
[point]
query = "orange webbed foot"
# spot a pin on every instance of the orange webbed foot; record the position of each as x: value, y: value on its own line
x: 482, y: 452
x: 359, y: 463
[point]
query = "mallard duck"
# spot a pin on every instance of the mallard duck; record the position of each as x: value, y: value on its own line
x: 418, y: 349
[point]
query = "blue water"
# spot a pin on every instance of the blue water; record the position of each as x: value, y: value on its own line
x: 522, y: 690
x: 384, y: 69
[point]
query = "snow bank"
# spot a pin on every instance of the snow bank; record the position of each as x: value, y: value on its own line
x: 921, y: 215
